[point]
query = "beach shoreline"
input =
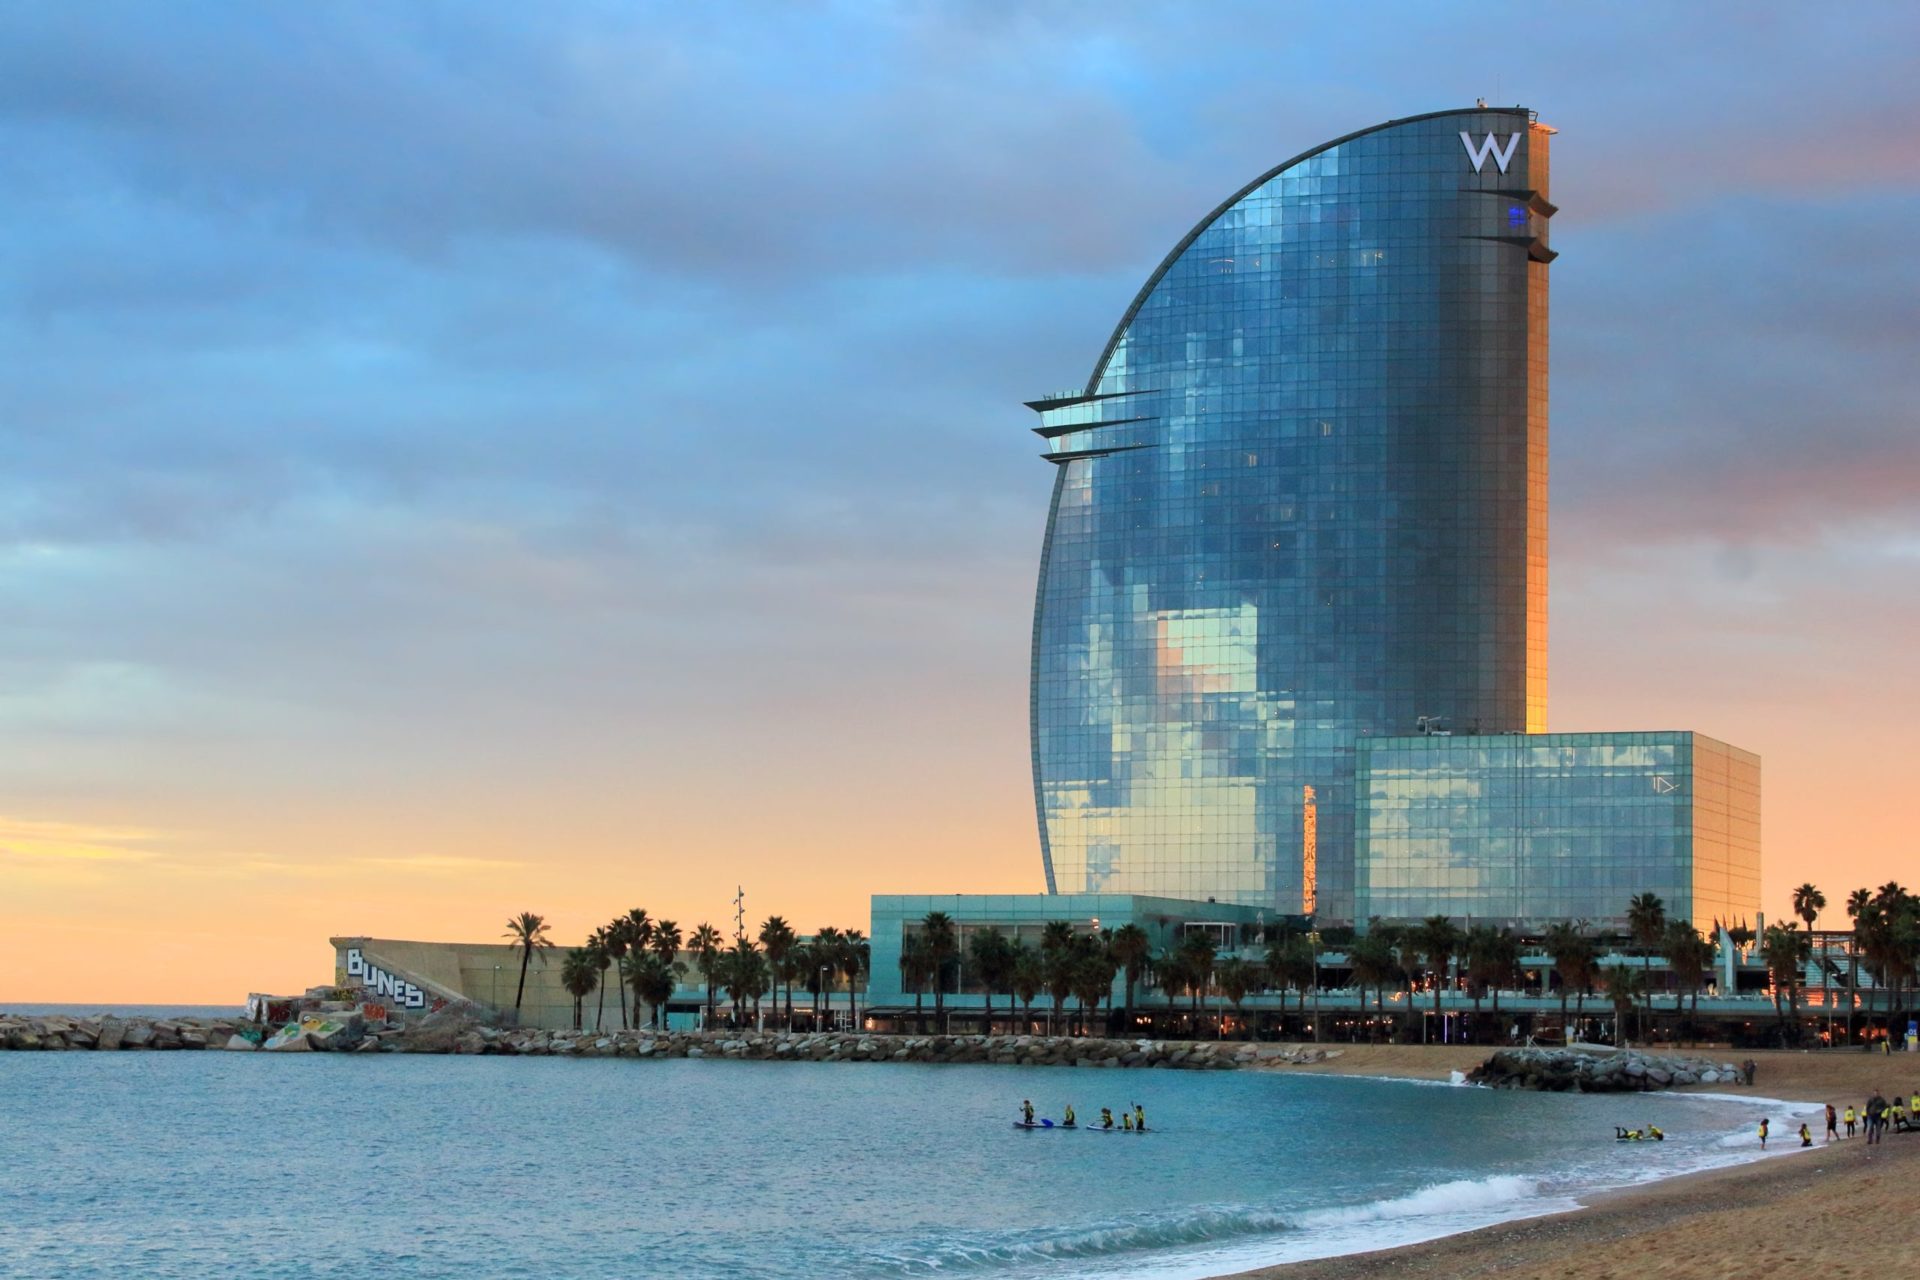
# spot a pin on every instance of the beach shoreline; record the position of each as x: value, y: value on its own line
x: 1827, y: 1207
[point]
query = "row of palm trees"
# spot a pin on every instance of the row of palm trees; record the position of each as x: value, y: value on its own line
x: 1065, y: 964
x: 645, y: 952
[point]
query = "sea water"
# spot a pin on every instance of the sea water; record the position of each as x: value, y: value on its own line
x: 307, y: 1165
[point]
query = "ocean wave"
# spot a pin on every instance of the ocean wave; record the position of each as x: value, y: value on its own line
x: 1211, y: 1226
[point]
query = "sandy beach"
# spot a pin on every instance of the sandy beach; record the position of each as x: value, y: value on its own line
x: 1845, y: 1209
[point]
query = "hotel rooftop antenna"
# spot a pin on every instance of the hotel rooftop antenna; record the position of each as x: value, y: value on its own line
x: 739, y: 913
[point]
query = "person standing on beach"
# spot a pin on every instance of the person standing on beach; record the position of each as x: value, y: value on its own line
x: 1833, y: 1123
x: 1876, y: 1117
x: 1849, y: 1119
x: 1763, y: 1134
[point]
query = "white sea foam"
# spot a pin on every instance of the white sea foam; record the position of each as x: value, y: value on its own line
x: 1212, y: 1239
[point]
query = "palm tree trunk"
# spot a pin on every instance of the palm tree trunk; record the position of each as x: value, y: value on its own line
x: 526, y: 957
x: 620, y: 985
x: 600, y: 1007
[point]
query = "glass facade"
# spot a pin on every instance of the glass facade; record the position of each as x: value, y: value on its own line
x: 1300, y: 501
x: 1524, y: 829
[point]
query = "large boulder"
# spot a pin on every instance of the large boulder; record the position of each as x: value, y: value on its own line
x: 112, y: 1033
x: 138, y: 1035
x: 335, y: 1032
x: 288, y: 1039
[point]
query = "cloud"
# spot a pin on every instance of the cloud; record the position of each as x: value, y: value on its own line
x: 407, y: 412
x: 29, y: 839
x: 438, y: 863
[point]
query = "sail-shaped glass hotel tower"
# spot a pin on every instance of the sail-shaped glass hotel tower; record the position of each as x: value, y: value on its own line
x: 1300, y: 501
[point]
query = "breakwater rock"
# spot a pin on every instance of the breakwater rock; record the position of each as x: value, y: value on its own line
x: 54, y: 1031
x: 1027, y: 1051
x: 1588, y: 1071
x: 343, y: 1031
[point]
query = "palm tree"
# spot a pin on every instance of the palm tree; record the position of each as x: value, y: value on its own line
x: 579, y: 974
x: 528, y: 932
x: 937, y: 935
x: 1501, y: 965
x: 1437, y: 940
x: 1688, y: 955
x: 1093, y: 971
x: 992, y: 957
x: 655, y: 983
x: 1786, y: 950
x: 1571, y: 954
x: 618, y: 939
x: 778, y: 939
x: 639, y: 930
x: 1289, y: 964
x: 1197, y: 950
x: 827, y: 944
x: 744, y: 976
x: 666, y: 940
x: 1029, y: 977
x: 1624, y: 985
x: 1130, y: 947
x: 1808, y: 903
x: 916, y: 967
x: 1171, y: 968
x: 1647, y: 922
x: 1236, y: 977
x: 1372, y: 959
x: 1058, y: 967
x: 1857, y: 901
x: 854, y: 954
x: 602, y: 961
x: 706, y: 946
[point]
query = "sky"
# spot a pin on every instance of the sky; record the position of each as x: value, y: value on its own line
x: 458, y: 459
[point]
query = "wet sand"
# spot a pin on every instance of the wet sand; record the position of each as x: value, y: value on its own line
x: 1840, y: 1210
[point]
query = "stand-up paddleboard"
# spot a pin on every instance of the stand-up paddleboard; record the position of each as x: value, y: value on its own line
x: 1037, y: 1124
x: 1094, y: 1128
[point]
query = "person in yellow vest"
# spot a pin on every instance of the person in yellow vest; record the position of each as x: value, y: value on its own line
x: 1806, y: 1135
x: 1126, y: 1120
x: 1106, y: 1117
x: 1763, y: 1135
x: 1140, y: 1115
x: 1068, y: 1120
x: 1848, y: 1117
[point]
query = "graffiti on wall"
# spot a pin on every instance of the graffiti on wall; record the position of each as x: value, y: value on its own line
x: 380, y: 983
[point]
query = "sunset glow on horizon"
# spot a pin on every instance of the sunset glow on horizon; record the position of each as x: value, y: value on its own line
x: 569, y: 465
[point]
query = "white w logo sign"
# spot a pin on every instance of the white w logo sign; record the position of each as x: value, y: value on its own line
x: 1480, y: 153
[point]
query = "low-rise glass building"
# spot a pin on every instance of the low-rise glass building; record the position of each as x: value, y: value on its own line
x: 1529, y: 828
